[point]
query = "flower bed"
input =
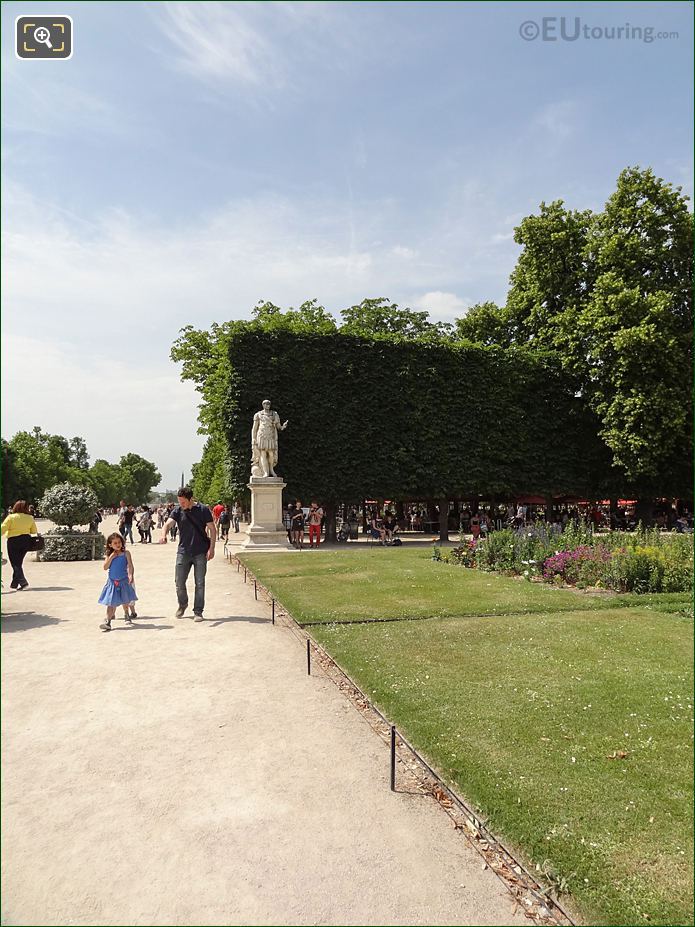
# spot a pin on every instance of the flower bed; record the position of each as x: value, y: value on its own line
x: 642, y: 561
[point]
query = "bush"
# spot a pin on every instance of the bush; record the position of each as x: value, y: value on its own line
x: 644, y: 561
x: 497, y: 552
x: 63, y: 544
x: 464, y: 555
x: 67, y: 504
x: 583, y: 566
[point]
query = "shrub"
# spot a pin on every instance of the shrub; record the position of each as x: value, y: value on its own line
x: 497, y: 551
x: 584, y: 566
x: 644, y: 561
x: 464, y: 555
x: 63, y: 544
x: 67, y: 504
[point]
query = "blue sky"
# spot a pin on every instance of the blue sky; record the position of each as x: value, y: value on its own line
x: 190, y: 160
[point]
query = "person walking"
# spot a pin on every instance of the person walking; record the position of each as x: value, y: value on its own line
x: 119, y: 588
x: 236, y: 516
x: 125, y: 523
x: 145, y: 526
x: 197, y: 537
x: 223, y: 523
x: 19, y: 527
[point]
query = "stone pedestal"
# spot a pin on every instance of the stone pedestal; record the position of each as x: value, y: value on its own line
x: 266, y: 531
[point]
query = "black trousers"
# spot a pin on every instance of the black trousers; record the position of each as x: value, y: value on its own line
x: 17, y: 549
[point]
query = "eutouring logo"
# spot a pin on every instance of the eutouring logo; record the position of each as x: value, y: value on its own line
x: 572, y: 29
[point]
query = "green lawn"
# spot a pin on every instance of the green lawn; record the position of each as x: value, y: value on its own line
x: 329, y: 586
x: 522, y: 712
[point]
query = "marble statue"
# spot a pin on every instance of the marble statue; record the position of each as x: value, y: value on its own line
x: 264, y: 441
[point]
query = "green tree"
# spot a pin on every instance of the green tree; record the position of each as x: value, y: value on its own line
x: 9, y: 481
x: 139, y: 477
x: 211, y: 474
x: 375, y: 317
x: 38, y: 460
x: 78, y: 456
x: 484, y: 323
x: 552, y: 277
x: 636, y: 329
x: 610, y: 295
x: 106, y: 480
x: 310, y: 317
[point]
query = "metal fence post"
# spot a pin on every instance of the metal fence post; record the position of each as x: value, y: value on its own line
x: 393, y: 757
x: 308, y: 656
x: 273, y: 611
x: 255, y: 590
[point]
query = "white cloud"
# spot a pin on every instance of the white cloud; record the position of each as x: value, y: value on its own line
x: 443, y: 305
x: 219, y: 41
x: 93, y: 304
x: 267, y: 47
x: 114, y: 274
x: 46, y: 104
x: 558, y: 120
x: 115, y: 396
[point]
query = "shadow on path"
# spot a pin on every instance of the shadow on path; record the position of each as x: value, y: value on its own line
x: 250, y: 618
x: 50, y: 588
x: 145, y: 627
x: 24, y: 621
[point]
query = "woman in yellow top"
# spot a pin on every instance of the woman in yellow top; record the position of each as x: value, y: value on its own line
x: 18, y: 526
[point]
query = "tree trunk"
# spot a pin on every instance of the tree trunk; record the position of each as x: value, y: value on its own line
x: 644, y: 512
x: 443, y: 520
x: 548, y: 510
x: 613, y: 521
x: 400, y: 515
x: 432, y: 514
x: 329, y: 512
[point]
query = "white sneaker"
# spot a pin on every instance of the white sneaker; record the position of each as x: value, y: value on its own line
x: 180, y: 612
x: 198, y: 618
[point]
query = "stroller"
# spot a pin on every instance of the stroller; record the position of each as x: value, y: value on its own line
x: 347, y: 531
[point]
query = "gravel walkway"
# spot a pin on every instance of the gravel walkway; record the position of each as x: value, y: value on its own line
x: 193, y: 774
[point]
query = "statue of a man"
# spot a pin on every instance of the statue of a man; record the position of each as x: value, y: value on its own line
x: 264, y: 441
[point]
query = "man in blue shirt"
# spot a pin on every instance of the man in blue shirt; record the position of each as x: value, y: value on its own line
x: 197, y: 537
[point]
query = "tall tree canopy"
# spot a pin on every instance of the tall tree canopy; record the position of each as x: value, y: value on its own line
x: 610, y: 295
x: 605, y: 298
x: 35, y: 460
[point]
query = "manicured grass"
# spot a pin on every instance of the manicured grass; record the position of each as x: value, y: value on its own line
x: 328, y: 586
x: 523, y: 716
x: 523, y: 709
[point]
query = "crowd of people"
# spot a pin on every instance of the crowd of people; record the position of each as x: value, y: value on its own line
x: 198, y: 528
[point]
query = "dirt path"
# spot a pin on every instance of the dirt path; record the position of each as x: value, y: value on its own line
x: 192, y: 774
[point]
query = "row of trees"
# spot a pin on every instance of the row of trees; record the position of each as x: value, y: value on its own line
x: 596, y: 335
x: 33, y: 461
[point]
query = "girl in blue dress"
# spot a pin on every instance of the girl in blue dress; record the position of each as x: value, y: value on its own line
x: 119, y: 586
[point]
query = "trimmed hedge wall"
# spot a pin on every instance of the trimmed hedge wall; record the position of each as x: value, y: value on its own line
x: 394, y: 419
